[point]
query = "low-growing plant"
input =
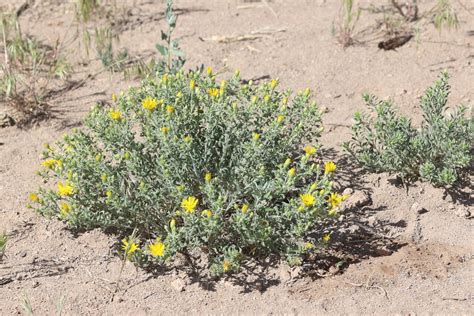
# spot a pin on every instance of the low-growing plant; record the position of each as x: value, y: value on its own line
x: 103, y: 39
x: 3, y: 244
x: 437, y: 152
x: 187, y: 162
x: 29, y: 69
x: 347, y: 24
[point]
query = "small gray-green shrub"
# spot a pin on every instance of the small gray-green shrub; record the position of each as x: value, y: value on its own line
x: 187, y: 162
x: 437, y: 152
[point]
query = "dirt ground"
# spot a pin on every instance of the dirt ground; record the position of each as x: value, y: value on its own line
x: 396, y: 260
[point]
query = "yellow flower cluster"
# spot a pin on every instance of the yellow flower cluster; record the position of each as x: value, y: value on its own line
x: 226, y: 265
x: 150, y: 103
x: 309, y: 150
x: 50, y: 163
x: 157, y: 249
x: 115, y: 115
x: 291, y: 172
x: 65, y: 209
x: 65, y: 189
x: 129, y: 246
x: 213, y: 92
x: 34, y: 197
x: 207, y: 213
x: 189, y: 204
x: 169, y: 109
x: 329, y: 167
x: 334, y: 200
x: 307, y: 199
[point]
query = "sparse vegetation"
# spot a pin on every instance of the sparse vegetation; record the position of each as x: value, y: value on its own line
x: 437, y: 152
x: 349, y: 17
x: 3, y: 244
x: 29, y: 69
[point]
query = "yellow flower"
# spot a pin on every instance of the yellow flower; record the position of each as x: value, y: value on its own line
x: 65, y: 190
x: 114, y: 97
x: 64, y: 209
x: 34, y: 197
x: 280, y: 118
x: 213, y: 92
x: 313, y: 186
x: 307, y: 199
x: 115, y: 115
x: 292, y: 172
x: 164, y: 129
x: 49, y: 163
x: 207, y: 213
x: 150, y: 103
x: 157, y: 249
x: 245, y: 208
x: 179, y: 95
x: 306, y: 92
x: 192, y: 84
x: 308, y: 246
x: 129, y: 246
x: 266, y: 98
x: 287, y: 162
x: 108, y: 194
x: 309, y: 150
x: 189, y: 204
x: 208, y: 177
x: 222, y: 88
x: 284, y: 101
x: 253, y: 99
x: 334, y: 200
x: 256, y: 136
x: 237, y: 72
x: 169, y: 109
x: 326, y: 237
x: 164, y: 78
x: 226, y: 265
x: 209, y: 71
x: 274, y: 83
x: 103, y: 177
x: 187, y: 139
x: 329, y: 167
x: 173, y: 224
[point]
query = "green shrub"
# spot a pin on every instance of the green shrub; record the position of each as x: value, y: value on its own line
x: 436, y: 152
x: 190, y: 163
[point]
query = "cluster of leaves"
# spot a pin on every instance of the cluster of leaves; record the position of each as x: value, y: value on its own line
x: 436, y: 152
x: 29, y: 69
x: 188, y: 162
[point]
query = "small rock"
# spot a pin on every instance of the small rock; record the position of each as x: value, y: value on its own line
x: 417, y: 208
x: 22, y: 254
x: 324, y: 109
x: 353, y: 229
x: 178, y: 284
x: 284, y: 274
x: 357, y: 199
x: 462, y: 212
x: 295, y: 272
x: 348, y: 191
x: 6, y: 120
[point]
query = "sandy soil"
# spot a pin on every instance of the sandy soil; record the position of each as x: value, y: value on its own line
x: 395, y: 260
